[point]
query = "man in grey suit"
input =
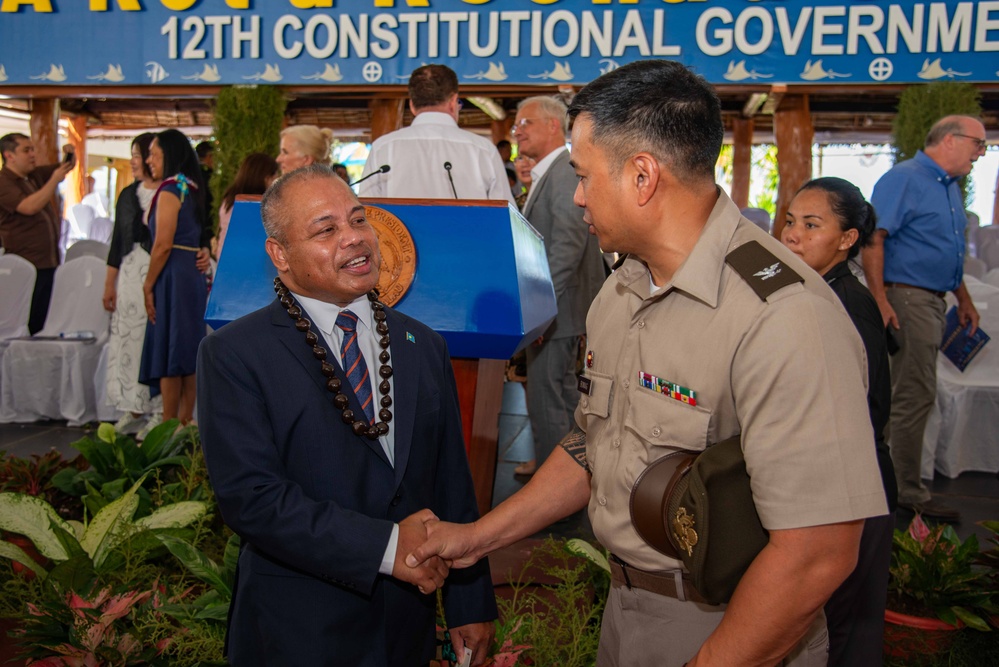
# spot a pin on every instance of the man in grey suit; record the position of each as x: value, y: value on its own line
x: 576, y: 266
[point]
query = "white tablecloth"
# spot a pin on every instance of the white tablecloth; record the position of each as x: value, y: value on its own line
x: 962, y: 434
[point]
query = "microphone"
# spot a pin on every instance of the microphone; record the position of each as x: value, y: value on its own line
x: 384, y: 169
x: 447, y: 166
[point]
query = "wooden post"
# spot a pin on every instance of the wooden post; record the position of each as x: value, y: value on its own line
x: 793, y: 132
x: 386, y: 116
x: 43, y: 123
x: 44, y: 126
x: 742, y: 164
x: 76, y: 180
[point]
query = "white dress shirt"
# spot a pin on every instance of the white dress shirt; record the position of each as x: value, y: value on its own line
x: 416, y: 155
x: 323, y: 316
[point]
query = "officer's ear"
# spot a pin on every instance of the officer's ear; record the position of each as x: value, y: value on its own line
x: 645, y: 176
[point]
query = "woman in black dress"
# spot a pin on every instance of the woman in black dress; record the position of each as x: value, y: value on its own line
x: 828, y: 222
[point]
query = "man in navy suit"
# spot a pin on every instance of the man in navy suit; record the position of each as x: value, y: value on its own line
x: 322, y: 486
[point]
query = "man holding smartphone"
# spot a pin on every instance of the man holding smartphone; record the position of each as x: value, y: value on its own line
x: 29, y: 221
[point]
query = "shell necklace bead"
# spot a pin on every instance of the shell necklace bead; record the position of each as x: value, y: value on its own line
x: 333, y: 384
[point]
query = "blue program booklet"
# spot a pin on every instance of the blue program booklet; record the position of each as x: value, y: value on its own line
x: 957, y: 345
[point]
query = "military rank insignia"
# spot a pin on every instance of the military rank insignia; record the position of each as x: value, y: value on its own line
x: 683, y: 530
x: 671, y: 389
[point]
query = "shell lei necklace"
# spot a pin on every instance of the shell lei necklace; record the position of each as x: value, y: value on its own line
x: 333, y: 383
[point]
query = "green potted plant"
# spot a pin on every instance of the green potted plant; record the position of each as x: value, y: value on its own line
x: 116, y: 461
x: 936, y: 588
x: 33, y: 477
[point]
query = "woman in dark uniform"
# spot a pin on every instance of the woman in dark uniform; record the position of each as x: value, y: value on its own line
x: 828, y: 222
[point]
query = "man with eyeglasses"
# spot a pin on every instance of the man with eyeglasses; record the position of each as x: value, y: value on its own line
x: 433, y: 158
x: 577, y: 270
x: 915, y: 258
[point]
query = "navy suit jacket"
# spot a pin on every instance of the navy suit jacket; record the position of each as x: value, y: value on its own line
x: 314, y: 504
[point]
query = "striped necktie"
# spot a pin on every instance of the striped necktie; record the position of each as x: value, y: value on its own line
x: 353, y: 363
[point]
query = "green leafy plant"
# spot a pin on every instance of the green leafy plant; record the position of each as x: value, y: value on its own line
x: 933, y: 573
x: 990, y: 559
x: 247, y: 119
x: 80, y: 550
x: 557, y: 624
x: 117, y: 461
x: 213, y: 602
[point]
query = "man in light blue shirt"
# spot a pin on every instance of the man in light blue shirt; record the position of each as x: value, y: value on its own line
x: 915, y: 258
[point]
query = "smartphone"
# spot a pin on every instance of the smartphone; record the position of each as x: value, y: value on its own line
x: 68, y: 158
x: 891, y: 342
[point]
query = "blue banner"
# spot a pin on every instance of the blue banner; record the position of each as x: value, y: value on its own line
x: 378, y: 42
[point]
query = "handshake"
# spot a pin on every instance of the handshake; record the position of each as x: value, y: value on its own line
x: 428, y: 549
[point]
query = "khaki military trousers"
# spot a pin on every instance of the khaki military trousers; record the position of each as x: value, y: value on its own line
x: 643, y: 629
x: 921, y: 318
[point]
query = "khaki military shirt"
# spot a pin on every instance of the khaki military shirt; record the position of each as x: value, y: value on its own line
x: 788, y: 373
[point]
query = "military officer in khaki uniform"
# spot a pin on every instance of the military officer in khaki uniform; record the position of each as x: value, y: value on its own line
x: 709, y: 329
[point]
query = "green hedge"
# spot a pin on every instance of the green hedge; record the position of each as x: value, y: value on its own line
x: 248, y: 119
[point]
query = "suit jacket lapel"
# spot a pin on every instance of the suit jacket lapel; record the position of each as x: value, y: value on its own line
x: 406, y: 385
x: 294, y: 341
x: 541, y: 184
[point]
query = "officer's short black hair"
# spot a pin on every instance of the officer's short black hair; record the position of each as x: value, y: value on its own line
x: 656, y: 106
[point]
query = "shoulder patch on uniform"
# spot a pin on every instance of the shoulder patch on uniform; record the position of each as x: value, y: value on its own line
x: 759, y: 267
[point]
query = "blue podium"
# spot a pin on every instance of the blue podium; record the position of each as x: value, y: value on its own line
x: 481, y: 280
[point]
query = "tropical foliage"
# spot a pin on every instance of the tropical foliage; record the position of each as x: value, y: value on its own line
x: 247, y: 119
x: 934, y: 573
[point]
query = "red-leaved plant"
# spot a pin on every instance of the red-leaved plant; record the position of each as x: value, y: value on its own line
x: 90, y: 631
x: 934, y: 574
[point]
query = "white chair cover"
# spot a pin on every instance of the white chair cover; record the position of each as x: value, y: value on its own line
x: 986, y: 235
x: 17, y: 282
x: 100, y: 230
x: 759, y: 217
x: 80, y: 219
x: 989, y: 253
x: 961, y: 434
x: 54, y: 379
x: 974, y: 267
x: 87, y: 247
x: 991, y: 278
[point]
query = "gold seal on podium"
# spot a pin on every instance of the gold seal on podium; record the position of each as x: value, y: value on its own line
x: 398, y: 255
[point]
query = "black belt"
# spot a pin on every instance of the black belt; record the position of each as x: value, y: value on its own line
x: 660, y: 583
x: 922, y: 289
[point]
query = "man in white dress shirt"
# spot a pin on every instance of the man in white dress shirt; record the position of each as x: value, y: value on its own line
x: 433, y: 158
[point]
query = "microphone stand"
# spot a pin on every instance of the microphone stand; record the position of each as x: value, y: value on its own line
x: 447, y: 167
x: 384, y: 169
